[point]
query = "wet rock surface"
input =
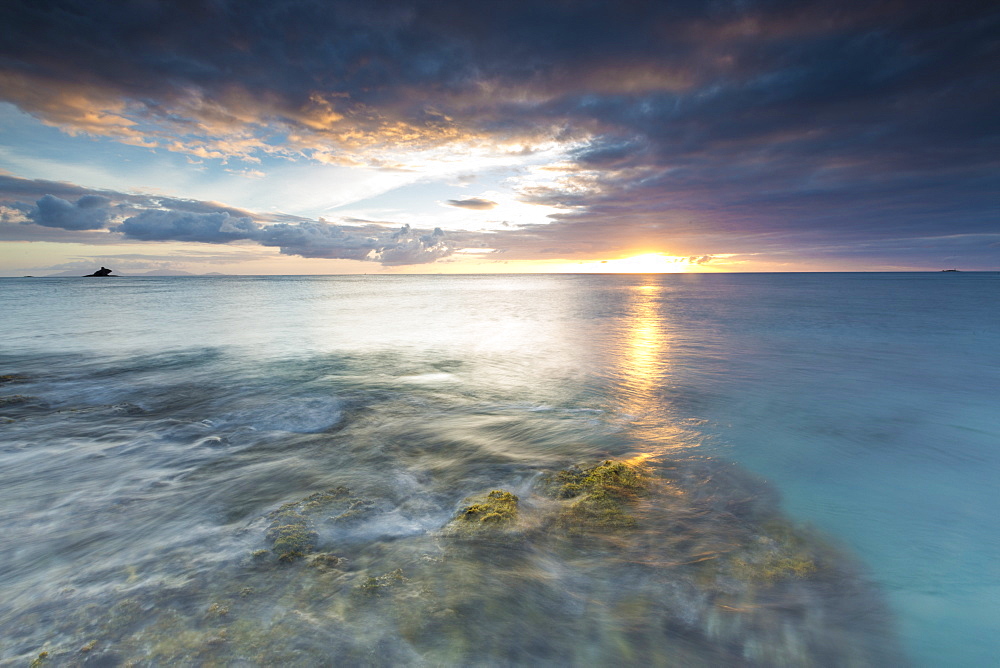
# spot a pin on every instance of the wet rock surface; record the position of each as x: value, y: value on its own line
x: 615, y: 562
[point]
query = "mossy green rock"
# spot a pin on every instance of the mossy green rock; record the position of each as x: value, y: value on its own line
x: 291, y: 536
x: 498, y: 507
x: 494, y: 513
x: 601, y: 496
x: 293, y: 530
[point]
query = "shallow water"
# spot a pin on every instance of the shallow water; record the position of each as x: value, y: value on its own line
x: 152, y: 427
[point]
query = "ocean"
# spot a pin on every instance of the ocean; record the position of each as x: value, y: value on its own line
x: 678, y: 469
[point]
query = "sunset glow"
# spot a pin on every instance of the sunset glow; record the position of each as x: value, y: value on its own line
x: 647, y: 263
x: 316, y: 138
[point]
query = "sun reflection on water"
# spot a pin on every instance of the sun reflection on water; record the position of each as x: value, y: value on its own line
x: 644, y: 368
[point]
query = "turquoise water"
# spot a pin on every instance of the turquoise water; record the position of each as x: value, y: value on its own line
x: 153, y: 426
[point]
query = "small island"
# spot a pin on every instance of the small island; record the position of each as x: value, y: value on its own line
x: 101, y: 273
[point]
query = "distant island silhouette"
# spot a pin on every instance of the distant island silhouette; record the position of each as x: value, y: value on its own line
x: 102, y: 272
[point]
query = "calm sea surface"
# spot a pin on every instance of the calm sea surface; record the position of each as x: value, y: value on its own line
x: 821, y: 455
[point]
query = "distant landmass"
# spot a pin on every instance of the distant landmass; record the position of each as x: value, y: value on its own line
x: 154, y: 272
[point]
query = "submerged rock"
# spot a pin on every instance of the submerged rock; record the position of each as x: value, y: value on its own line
x: 21, y: 401
x: 618, y: 562
x: 382, y: 584
x: 326, y: 561
x: 293, y: 533
x: 290, y: 534
x: 15, y: 399
x: 653, y: 563
x: 778, y: 552
x: 126, y: 408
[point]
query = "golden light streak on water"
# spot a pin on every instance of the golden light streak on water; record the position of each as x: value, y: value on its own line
x: 645, y: 366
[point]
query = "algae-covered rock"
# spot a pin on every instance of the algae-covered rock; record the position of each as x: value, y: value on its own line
x: 619, y: 478
x: 498, y: 507
x: 620, y: 562
x: 382, y: 584
x: 294, y: 529
x: 325, y: 561
x: 601, y: 496
x: 778, y: 552
x: 337, y: 505
x: 290, y: 534
x: 485, y: 515
x: 216, y: 610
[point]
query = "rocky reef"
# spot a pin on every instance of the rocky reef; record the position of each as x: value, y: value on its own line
x: 291, y: 532
x: 637, y: 561
x: 485, y: 516
x: 601, y: 497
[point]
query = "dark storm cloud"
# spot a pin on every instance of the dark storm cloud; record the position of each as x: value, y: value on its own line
x: 475, y: 203
x: 505, y: 65
x: 856, y: 121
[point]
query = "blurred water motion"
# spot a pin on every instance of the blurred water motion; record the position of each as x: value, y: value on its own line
x: 276, y: 471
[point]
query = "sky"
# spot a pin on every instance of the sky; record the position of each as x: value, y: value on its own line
x: 333, y: 137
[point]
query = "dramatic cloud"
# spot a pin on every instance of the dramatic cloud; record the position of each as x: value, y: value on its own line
x: 706, y: 125
x: 476, y: 203
x: 213, y: 228
x: 207, y: 222
x: 90, y: 212
x: 16, y: 192
x: 306, y: 239
x: 336, y: 77
x: 373, y: 243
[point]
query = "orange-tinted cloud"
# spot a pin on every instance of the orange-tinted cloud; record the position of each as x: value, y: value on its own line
x: 474, y: 203
x: 768, y: 119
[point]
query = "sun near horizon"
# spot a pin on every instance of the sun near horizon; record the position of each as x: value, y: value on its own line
x: 645, y: 263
